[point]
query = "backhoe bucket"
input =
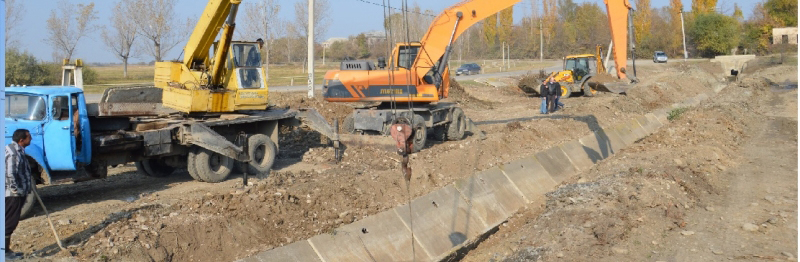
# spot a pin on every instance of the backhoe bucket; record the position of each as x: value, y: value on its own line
x: 614, y: 87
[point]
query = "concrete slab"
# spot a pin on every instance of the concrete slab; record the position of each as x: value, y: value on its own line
x: 530, y: 177
x: 615, y: 139
x: 654, y: 120
x: 297, y: 251
x: 578, y: 155
x: 598, y: 145
x: 492, y: 195
x: 625, y: 132
x: 648, y: 127
x: 702, y: 97
x: 557, y: 164
x: 380, y: 237
x: 637, y: 129
x: 442, y: 220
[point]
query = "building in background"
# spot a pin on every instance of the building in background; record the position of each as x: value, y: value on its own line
x: 784, y: 35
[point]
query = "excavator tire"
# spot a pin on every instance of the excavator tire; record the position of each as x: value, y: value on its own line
x: 262, y: 152
x: 209, y: 166
x: 588, y: 91
x: 349, y: 124
x: 420, y: 133
x: 566, y: 91
x: 154, y: 168
x: 457, y: 128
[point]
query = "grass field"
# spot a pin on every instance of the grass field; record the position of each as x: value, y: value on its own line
x: 279, y: 75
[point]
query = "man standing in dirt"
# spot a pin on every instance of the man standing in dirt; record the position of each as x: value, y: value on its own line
x: 543, y: 92
x: 18, y: 184
x: 554, y: 90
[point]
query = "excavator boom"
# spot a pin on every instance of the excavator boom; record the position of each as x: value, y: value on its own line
x: 449, y: 25
x: 618, y: 15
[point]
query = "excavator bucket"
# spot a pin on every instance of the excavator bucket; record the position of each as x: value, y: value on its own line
x: 612, y: 87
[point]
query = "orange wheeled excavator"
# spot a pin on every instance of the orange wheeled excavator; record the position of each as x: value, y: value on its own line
x: 413, y: 82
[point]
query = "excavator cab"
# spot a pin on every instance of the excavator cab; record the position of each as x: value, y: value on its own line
x: 245, y: 64
x: 579, y: 65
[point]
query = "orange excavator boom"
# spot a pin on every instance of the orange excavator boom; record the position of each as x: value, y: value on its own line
x: 619, y: 21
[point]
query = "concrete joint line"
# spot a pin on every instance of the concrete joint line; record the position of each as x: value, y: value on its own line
x: 469, y: 203
x: 315, y: 250
x: 515, y: 187
x: 569, y: 158
x: 419, y: 244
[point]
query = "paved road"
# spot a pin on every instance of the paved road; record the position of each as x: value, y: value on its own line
x: 96, y: 97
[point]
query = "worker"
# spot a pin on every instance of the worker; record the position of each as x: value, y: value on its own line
x: 554, y: 89
x: 543, y: 93
x: 18, y: 184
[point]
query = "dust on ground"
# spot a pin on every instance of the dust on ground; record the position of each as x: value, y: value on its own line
x: 717, y: 183
x: 132, y: 217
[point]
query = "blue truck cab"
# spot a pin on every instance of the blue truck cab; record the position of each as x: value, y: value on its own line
x: 48, y: 113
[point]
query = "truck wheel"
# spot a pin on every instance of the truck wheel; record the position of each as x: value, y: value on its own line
x: 262, y: 152
x: 420, y: 133
x: 209, y: 166
x: 154, y: 168
x: 457, y: 128
x: 349, y: 124
x: 190, y: 167
x: 27, y: 207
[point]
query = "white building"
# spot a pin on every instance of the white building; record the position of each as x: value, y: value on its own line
x: 332, y: 40
x: 785, y: 35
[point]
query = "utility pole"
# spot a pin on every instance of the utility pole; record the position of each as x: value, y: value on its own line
x: 503, y: 47
x: 3, y: 96
x: 541, y: 41
x: 683, y: 32
x: 310, y: 49
x: 323, y: 53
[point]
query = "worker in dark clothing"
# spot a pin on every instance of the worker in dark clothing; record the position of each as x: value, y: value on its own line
x: 18, y: 184
x: 543, y: 92
x: 554, y: 90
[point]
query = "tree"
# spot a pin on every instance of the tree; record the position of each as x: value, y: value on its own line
x: 675, y: 35
x: 261, y: 20
x: 68, y: 26
x: 156, y: 21
x: 737, y: 13
x: 783, y: 11
x: 506, y: 24
x: 703, y: 6
x: 22, y: 68
x: 15, y: 11
x: 321, y: 18
x: 121, y: 35
x: 714, y: 34
x: 490, y: 30
x: 642, y: 20
x: 363, y: 49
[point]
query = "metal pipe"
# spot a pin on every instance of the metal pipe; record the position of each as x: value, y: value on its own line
x: 448, y: 50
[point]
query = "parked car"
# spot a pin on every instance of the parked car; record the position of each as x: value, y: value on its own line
x: 659, y: 57
x: 468, y: 69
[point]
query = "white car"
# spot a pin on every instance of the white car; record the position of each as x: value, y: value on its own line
x: 659, y: 57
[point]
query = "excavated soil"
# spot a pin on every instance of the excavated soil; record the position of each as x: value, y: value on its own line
x: 718, y: 183
x: 131, y: 217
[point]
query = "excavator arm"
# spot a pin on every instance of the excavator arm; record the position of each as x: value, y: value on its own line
x: 448, y: 26
x: 218, y: 15
x: 619, y: 21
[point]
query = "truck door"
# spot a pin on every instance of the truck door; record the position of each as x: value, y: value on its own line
x: 59, y: 142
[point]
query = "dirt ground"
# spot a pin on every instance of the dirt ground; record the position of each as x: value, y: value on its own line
x: 130, y: 217
x: 718, y: 183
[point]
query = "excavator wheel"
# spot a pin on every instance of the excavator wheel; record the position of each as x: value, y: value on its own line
x: 209, y: 166
x: 349, y: 124
x: 588, y: 91
x: 420, y: 133
x: 566, y: 91
x: 154, y: 168
x: 262, y: 152
x: 457, y: 128
x: 440, y: 132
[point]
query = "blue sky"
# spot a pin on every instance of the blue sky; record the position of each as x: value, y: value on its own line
x: 349, y: 17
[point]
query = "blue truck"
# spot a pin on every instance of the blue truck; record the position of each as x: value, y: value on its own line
x: 75, y: 141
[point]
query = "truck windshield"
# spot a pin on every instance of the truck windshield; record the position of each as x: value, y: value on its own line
x: 27, y: 107
x: 246, y: 55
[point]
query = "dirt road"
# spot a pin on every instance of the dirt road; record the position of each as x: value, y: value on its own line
x: 133, y: 218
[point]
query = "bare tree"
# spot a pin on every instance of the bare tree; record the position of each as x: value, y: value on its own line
x: 321, y: 18
x: 261, y: 20
x: 156, y: 21
x: 120, y: 37
x: 14, y: 13
x: 67, y: 27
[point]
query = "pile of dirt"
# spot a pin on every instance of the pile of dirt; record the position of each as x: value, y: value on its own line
x: 605, y: 78
x: 297, y: 100
x: 463, y: 98
x: 530, y: 82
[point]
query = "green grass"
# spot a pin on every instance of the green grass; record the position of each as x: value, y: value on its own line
x: 279, y: 75
x: 676, y: 113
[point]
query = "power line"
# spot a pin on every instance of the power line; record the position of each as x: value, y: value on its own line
x: 400, y: 10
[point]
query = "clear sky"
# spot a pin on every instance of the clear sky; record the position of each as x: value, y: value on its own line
x: 349, y: 17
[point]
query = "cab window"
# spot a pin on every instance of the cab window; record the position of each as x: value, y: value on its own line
x: 25, y: 107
